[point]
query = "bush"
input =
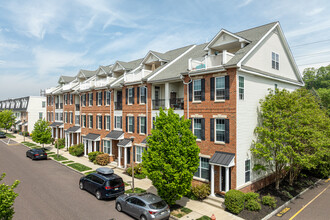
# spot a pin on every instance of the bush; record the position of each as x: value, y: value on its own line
x: 77, y: 150
x: 92, y: 155
x: 25, y: 133
x: 60, y: 143
x: 252, y: 205
x: 139, y: 171
x: 234, y: 201
x: 269, y: 200
x: 102, y: 159
x: 201, y: 191
x: 251, y: 196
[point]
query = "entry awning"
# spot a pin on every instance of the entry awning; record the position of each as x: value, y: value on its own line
x: 125, y: 143
x: 56, y: 124
x: 116, y: 135
x: 223, y: 159
x: 18, y: 122
x: 92, y: 137
x: 25, y: 123
x: 74, y: 129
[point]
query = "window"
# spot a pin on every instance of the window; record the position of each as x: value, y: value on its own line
x: 107, y: 122
x: 99, y: 98
x: 77, y: 120
x: 143, y: 95
x: 71, y: 99
x: 61, y: 116
x: 108, y: 97
x: 90, y: 121
x: 130, y: 96
x: 65, y: 99
x: 247, y: 170
x: 118, y: 123
x: 139, y: 151
x: 220, y: 88
x: 40, y: 115
x: 203, y: 170
x: 220, y: 130
x: 153, y: 122
x: 56, y: 116
x: 241, y: 87
x: 142, y: 125
x: 66, y: 117
x: 197, y: 90
x: 71, y: 117
x: 43, y: 104
x: 198, y: 128
x: 84, y: 121
x: 131, y: 124
x: 107, y: 147
x: 90, y: 99
x: 84, y: 100
x: 99, y: 121
x: 275, y: 61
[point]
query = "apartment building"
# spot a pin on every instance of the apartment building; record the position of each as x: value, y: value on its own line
x: 27, y: 110
x: 217, y: 85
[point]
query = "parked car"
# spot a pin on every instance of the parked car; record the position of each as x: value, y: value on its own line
x: 2, y: 134
x: 143, y: 206
x: 36, y: 154
x: 103, y: 184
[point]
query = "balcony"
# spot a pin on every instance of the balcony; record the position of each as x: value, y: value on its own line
x: 118, y: 105
x: 102, y: 83
x: 61, y: 105
x: 87, y: 85
x: 157, y: 103
x: 137, y: 75
x: 77, y: 107
x: 69, y: 86
x: 174, y: 103
x: 57, y: 105
x: 177, y: 103
x: 209, y: 61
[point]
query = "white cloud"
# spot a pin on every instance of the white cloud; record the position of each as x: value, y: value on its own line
x: 310, y: 28
x: 245, y: 3
x: 315, y: 11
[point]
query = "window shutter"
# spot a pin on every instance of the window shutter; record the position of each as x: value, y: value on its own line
x: 212, y: 129
x: 92, y: 98
x: 227, y: 87
x: 203, y: 89
x: 203, y: 129
x: 138, y: 95
x: 133, y: 153
x: 101, y: 120
x: 145, y: 125
x: 105, y: 98
x: 85, y: 99
x: 105, y: 121
x: 191, y: 122
x: 212, y: 88
x: 126, y: 96
x: 133, y: 91
x: 126, y: 123
x: 81, y: 99
x: 115, y: 122
x: 92, y: 119
x: 153, y: 122
x: 87, y: 121
x: 190, y: 91
x: 81, y: 121
x: 97, y: 98
x: 226, y: 130
x: 138, y: 124
x: 133, y: 124
x: 101, y: 97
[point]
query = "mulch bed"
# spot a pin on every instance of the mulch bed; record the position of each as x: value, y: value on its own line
x: 285, y: 193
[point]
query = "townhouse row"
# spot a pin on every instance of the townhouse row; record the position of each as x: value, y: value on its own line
x: 217, y: 85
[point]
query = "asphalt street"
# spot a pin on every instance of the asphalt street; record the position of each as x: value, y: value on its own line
x: 49, y: 190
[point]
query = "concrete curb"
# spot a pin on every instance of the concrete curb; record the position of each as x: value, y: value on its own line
x: 285, y: 204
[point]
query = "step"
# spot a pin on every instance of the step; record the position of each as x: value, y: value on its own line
x: 215, y: 202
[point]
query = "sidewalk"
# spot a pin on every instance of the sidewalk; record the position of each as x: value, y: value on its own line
x: 198, y: 208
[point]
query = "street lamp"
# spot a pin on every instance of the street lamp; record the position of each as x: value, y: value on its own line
x: 57, y: 132
x: 132, y: 161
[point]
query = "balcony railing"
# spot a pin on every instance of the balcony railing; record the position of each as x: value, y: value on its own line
x: 87, y: 85
x: 61, y: 105
x: 118, y: 105
x: 157, y: 103
x: 57, y: 105
x: 177, y: 103
x: 102, y: 83
x: 137, y: 75
x: 77, y: 107
x: 209, y: 61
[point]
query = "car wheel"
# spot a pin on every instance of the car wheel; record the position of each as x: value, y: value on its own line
x: 81, y: 185
x: 143, y: 217
x: 118, y: 207
x: 98, y: 195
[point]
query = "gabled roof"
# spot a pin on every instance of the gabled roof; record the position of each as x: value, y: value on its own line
x: 128, y: 65
x: 220, y: 158
x: 66, y: 79
x: 116, y: 135
x: 104, y: 70
x: 86, y: 73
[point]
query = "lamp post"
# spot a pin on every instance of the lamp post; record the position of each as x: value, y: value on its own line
x: 57, y: 132
x: 132, y: 161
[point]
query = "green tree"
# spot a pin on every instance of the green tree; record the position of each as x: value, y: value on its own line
x: 7, y: 198
x: 42, y: 132
x: 7, y: 119
x: 172, y: 157
x: 293, y: 134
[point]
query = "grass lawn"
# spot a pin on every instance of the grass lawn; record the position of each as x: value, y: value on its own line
x: 69, y: 161
x: 28, y: 144
x: 179, y: 211
x: 10, y: 135
x: 49, y: 153
x: 204, y: 217
x: 80, y: 167
x: 136, y: 190
x: 89, y: 172
x: 60, y: 158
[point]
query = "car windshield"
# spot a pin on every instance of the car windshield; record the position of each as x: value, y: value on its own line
x: 158, y: 205
x: 38, y: 151
x: 115, y: 182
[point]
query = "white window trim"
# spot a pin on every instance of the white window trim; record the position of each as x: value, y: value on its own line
x: 200, y: 167
x: 245, y: 171
x: 276, y: 61
x: 239, y: 97
x: 145, y: 118
x: 215, y: 132
x: 107, y: 93
x: 89, y: 121
x: 142, y: 88
x: 193, y: 120
x: 128, y: 101
x: 193, y: 91
x: 89, y: 99
x: 215, y: 89
x: 128, y: 124
x: 98, y: 98
x: 142, y: 148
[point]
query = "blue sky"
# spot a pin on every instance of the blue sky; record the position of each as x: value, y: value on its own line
x: 42, y: 40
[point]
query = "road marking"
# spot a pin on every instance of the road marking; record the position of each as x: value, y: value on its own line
x: 308, y: 203
x: 327, y: 180
x: 283, y: 212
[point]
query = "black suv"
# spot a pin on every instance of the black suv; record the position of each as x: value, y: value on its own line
x: 103, y: 184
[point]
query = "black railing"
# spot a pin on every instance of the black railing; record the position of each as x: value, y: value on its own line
x: 56, y: 105
x: 157, y: 103
x: 77, y: 107
x: 118, y: 106
x: 177, y: 103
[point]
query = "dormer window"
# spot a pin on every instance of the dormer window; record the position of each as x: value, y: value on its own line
x: 275, y: 61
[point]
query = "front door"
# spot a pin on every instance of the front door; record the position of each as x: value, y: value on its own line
x: 223, y: 179
x: 128, y: 155
x: 97, y: 146
x: 90, y: 146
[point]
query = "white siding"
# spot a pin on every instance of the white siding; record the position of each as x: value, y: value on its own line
x: 262, y: 58
x: 255, y: 88
x: 33, y: 109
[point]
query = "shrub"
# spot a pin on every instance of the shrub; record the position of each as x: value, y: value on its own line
x: 76, y: 150
x: 139, y: 171
x: 234, y: 201
x: 25, y: 133
x: 252, y: 205
x: 269, y: 200
x: 201, y: 191
x: 92, y: 155
x: 102, y: 159
x: 251, y: 196
x: 60, y: 143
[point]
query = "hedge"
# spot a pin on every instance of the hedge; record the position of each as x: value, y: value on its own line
x: 234, y: 201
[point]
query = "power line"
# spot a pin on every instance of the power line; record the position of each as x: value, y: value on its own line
x: 305, y: 55
x: 314, y: 63
x: 314, y: 42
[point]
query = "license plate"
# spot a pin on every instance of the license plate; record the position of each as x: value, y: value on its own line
x: 41, y: 155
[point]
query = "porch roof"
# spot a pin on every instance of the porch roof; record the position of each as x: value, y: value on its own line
x: 74, y: 129
x: 115, y: 135
x: 92, y: 137
x: 223, y: 159
x: 125, y: 143
x: 55, y: 124
x: 25, y: 123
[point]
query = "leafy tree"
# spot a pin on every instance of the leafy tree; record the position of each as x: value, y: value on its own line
x: 42, y: 132
x: 293, y: 134
x: 7, y: 119
x: 172, y: 157
x: 7, y: 197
